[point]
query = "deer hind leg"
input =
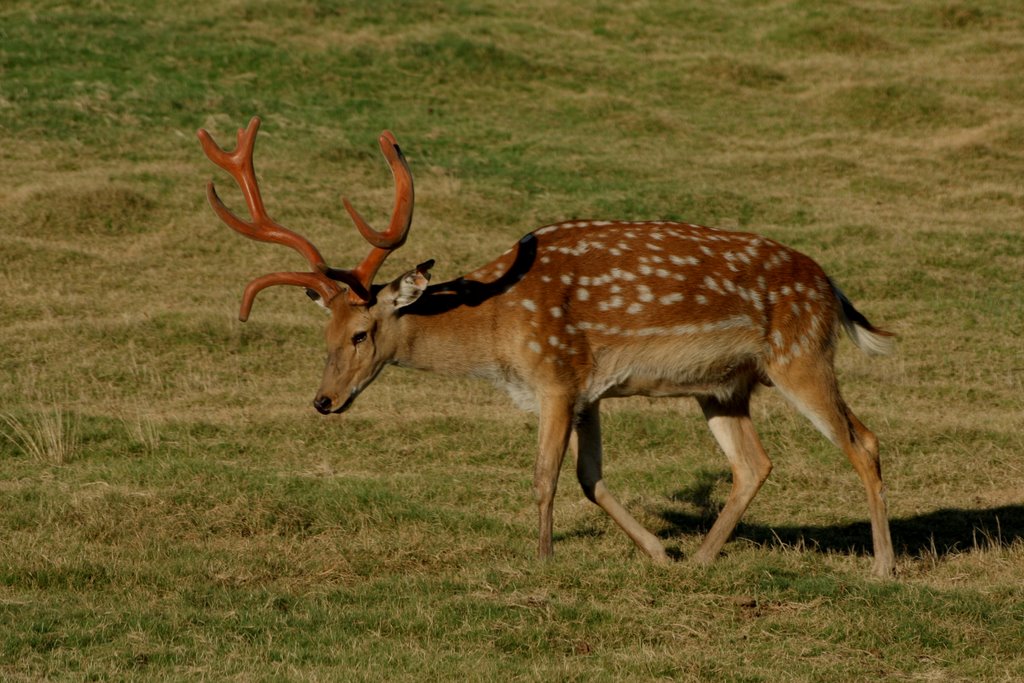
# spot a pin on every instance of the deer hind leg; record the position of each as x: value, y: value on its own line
x: 586, y: 443
x: 731, y: 426
x: 810, y: 384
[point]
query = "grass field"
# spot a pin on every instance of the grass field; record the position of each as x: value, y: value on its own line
x: 171, y: 507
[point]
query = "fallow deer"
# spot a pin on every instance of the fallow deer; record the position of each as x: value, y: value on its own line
x: 581, y: 311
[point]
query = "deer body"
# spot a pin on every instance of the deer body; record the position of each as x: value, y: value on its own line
x: 581, y: 311
x: 625, y: 309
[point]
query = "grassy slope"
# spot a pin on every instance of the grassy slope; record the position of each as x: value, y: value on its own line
x: 185, y: 514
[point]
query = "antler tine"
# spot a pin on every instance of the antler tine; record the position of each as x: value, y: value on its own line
x: 239, y: 165
x: 401, y: 216
x: 314, y: 281
x: 361, y: 277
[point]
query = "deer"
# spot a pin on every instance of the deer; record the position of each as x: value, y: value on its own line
x: 585, y: 310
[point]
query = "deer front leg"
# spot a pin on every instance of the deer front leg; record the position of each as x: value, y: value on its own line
x: 556, y: 415
x: 587, y: 445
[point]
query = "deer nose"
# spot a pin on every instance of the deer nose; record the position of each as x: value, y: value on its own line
x: 323, y: 404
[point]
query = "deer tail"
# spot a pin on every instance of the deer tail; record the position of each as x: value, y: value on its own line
x: 871, y: 340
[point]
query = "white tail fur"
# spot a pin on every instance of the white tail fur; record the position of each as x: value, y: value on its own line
x: 868, y: 338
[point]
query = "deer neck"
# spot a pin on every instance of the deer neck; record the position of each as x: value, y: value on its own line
x: 443, y: 335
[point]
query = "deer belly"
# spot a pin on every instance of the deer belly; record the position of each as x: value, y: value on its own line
x: 663, y: 387
x: 637, y: 372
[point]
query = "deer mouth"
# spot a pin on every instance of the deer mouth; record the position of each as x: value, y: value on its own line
x: 325, y: 404
x: 346, y: 405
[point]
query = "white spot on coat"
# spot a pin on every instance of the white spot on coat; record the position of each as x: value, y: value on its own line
x: 614, y: 302
x: 684, y: 260
x: 712, y: 284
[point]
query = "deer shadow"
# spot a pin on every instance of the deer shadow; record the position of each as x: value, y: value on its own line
x: 939, y: 533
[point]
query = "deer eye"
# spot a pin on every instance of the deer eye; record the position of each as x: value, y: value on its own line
x: 358, y: 338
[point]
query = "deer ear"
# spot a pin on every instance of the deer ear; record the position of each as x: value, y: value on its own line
x: 319, y: 300
x: 408, y: 288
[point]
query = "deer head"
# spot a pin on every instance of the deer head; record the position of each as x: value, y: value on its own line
x: 361, y: 312
x: 363, y: 338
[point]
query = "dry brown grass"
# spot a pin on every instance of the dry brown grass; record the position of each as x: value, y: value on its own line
x: 170, y: 505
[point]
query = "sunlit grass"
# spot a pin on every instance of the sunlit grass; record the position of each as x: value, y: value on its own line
x: 179, y: 511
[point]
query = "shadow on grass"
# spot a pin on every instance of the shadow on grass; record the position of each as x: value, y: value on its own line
x: 938, y: 533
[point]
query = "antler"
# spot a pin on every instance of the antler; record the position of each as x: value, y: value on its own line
x: 262, y: 228
x: 361, y: 277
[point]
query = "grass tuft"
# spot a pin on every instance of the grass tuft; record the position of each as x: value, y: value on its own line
x: 51, y: 437
x: 143, y: 431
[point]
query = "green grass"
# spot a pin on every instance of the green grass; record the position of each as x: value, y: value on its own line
x: 172, y: 508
